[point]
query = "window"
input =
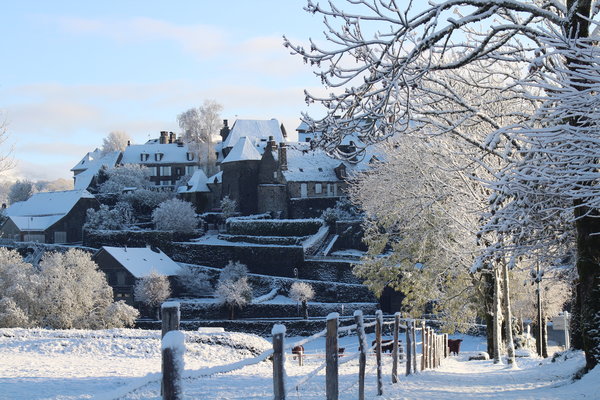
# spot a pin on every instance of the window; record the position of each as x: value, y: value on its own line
x: 335, y: 189
x: 60, y: 237
x: 190, y: 169
x: 165, y: 183
x: 303, y: 190
x: 144, y: 157
x: 329, y: 189
x: 190, y: 156
x: 165, y: 171
x: 318, y: 188
x: 158, y: 156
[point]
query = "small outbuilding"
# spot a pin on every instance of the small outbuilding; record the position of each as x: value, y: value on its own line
x: 49, y: 217
x: 123, y: 266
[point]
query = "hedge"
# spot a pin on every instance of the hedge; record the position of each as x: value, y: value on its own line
x: 273, y: 227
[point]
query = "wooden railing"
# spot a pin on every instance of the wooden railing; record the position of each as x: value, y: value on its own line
x: 434, y: 348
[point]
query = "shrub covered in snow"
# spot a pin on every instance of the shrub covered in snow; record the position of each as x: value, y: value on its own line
x: 273, y: 227
x: 302, y: 292
x: 66, y: 291
x: 344, y: 210
x: 228, y: 207
x: 125, y: 176
x: 194, y: 280
x: 107, y: 218
x: 175, y: 215
x: 152, y: 290
x: 233, y: 288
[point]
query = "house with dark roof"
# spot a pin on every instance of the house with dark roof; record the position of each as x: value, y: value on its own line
x: 124, y: 266
x: 85, y: 172
x: 49, y: 217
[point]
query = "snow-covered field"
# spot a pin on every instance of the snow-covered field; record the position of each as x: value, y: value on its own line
x: 125, y: 364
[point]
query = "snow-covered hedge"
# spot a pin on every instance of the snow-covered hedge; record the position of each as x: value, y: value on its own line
x: 277, y: 240
x: 273, y: 227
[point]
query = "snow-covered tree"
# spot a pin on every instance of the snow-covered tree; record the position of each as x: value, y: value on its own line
x: 115, y: 141
x: 194, y: 280
x: 175, y: 215
x: 228, y: 207
x: 110, y: 218
x: 152, y: 290
x: 72, y: 291
x: 379, y: 55
x: 21, y: 191
x: 17, y: 287
x: 233, y: 288
x: 126, y: 176
x: 199, y: 126
x: 144, y: 201
x: 302, y: 292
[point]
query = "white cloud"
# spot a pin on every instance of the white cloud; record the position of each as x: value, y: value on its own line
x: 200, y: 40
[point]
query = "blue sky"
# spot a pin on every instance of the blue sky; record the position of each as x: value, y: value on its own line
x: 73, y: 71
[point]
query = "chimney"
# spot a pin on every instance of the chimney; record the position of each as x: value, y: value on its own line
x: 282, y: 155
x: 224, y: 130
x: 164, y: 135
x: 128, y: 143
x: 271, y: 144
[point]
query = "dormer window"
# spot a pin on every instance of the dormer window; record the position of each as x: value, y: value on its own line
x: 158, y: 156
x: 144, y: 157
x: 190, y: 156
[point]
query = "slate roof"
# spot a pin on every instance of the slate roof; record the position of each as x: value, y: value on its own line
x: 197, y: 183
x: 257, y: 129
x: 172, y: 153
x: 243, y: 150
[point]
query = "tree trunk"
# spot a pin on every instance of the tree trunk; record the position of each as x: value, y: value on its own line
x: 587, y: 223
x: 231, y: 312
x: 575, y: 325
x: 497, y: 319
x: 510, y: 344
x: 488, y: 291
x: 305, y: 309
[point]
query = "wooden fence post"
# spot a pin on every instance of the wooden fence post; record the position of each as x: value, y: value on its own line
x: 395, y: 348
x: 278, y: 333
x: 170, y: 316
x: 445, y: 345
x: 169, y: 311
x: 173, y: 348
x: 362, y: 358
x: 413, y: 328
x: 378, y: 329
x: 409, y: 355
x: 331, y: 357
x: 423, y: 345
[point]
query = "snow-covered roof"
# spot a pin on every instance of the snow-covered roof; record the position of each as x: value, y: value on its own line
x: 243, y: 150
x: 44, y: 209
x: 197, y: 183
x: 216, y: 178
x: 91, y: 164
x: 141, y: 261
x: 257, y: 129
x: 156, y: 153
x: 306, y: 165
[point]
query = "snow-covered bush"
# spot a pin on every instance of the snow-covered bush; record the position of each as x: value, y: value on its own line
x: 233, y: 288
x: 194, y: 281
x: 21, y: 191
x: 126, y: 176
x: 11, y: 315
x: 144, y: 201
x: 343, y: 210
x: 120, y: 315
x: 175, y: 215
x: 106, y: 218
x: 152, y: 290
x: 302, y: 292
x: 228, y: 207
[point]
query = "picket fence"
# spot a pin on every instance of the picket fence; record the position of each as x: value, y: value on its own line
x: 434, y: 347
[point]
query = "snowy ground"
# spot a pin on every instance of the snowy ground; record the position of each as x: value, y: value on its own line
x: 124, y: 364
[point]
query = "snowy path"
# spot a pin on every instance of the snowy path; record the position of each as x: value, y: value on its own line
x: 100, y: 365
